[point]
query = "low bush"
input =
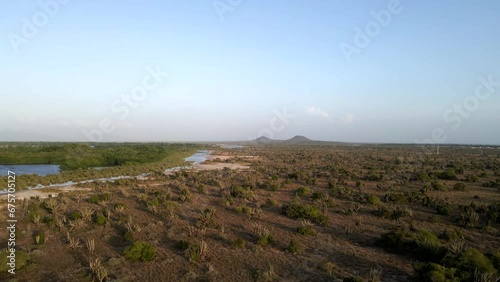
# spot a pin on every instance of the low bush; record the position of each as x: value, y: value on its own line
x: 318, y: 196
x: 75, y: 215
x: 438, y: 186
x: 393, y: 213
x: 270, y: 202
x: 448, y: 174
x: 452, y: 234
x: 300, y: 211
x: 443, y: 209
x: 471, y: 260
x: 22, y: 259
x: 240, y: 192
x: 265, y: 240
x: 397, y: 197
x: 470, y: 178
x: 459, y: 187
x: 432, y: 272
x: 100, y: 219
x: 302, y: 191
x: 140, y: 251
x: 294, y: 247
x: 427, y: 247
x: 305, y: 230
x: 196, y: 252
x: 396, y: 240
x: 373, y: 200
x: 96, y: 198
x: 240, y: 243
x: 39, y: 237
x: 423, y: 245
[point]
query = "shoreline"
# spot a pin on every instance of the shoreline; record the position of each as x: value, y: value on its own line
x: 54, y: 189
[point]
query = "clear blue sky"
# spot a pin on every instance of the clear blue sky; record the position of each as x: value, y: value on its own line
x: 230, y: 71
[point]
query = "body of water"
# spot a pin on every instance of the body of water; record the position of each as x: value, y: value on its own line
x: 41, y: 170
x: 199, y: 157
x: 231, y: 146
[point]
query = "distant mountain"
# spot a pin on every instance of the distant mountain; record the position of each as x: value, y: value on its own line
x: 299, y: 139
x: 264, y: 140
x: 294, y: 140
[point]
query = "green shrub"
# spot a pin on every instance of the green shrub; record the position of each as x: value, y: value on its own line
x: 297, y: 210
x: 452, y: 234
x: 128, y: 236
x: 421, y: 176
x: 294, y: 247
x: 443, y: 209
x: 274, y: 187
x: 427, y: 246
x: 397, y: 197
x: 394, y: 213
x: 302, y: 191
x: 470, y: 178
x: 239, y: 243
x: 22, y: 259
x: 100, y: 219
x: 492, y: 184
x: 318, y: 196
x: 185, y: 195
x: 240, y: 192
x: 140, y: 251
x: 432, y: 272
x: 493, y: 213
x: 265, y: 240
x: 438, y: 186
x: 196, y: 252
x: 244, y: 210
x: 305, y: 230
x: 49, y: 220
x: 495, y: 259
x: 448, y: 174
x: 396, y: 240
x: 459, y: 186
x: 96, y: 198
x: 201, y: 189
x: 330, y: 203
x: 153, y: 205
x: 39, y: 237
x: 373, y: 200
x: 270, y: 202
x: 75, y: 215
x: 424, y: 245
x: 471, y: 260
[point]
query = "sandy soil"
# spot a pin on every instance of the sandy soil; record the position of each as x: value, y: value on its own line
x: 43, y: 193
x: 224, y: 157
x: 216, y: 166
